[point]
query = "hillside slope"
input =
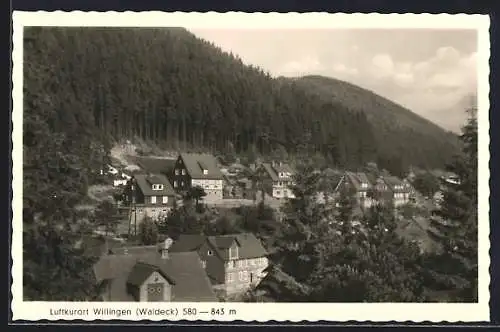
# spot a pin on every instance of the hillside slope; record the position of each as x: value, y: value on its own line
x: 394, y: 126
x: 167, y: 85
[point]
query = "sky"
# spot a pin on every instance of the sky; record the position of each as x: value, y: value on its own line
x: 431, y: 72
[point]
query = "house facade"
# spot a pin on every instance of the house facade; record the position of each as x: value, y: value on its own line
x: 360, y: 185
x: 198, y: 170
x: 234, y: 263
x: 149, y: 195
x: 399, y: 190
x: 152, y: 274
x: 277, y: 179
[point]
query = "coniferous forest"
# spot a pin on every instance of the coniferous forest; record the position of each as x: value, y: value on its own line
x: 87, y: 88
x: 168, y: 86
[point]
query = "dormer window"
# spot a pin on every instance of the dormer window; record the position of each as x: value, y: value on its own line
x: 157, y: 186
x: 205, y: 171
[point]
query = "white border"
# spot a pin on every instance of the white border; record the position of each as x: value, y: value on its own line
x: 292, y: 312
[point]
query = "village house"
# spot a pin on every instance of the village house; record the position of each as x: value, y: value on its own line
x: 400, y: 191
x: 121, y: 179
x: 361, y: 186
x: 234, y: 263
x: 149, y: 195
x: 277, y: 179
x: 198, y: 170
x: 152, y: 274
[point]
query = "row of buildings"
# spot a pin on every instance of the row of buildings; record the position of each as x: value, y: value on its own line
x: 193, y: 268
x: 370, y: 189
x: 155, y: 194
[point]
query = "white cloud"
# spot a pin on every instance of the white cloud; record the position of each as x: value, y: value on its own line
x: 343, y: 70
x: 383, y: 65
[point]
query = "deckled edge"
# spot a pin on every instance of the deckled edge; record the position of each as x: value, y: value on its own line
x: 15, y: 171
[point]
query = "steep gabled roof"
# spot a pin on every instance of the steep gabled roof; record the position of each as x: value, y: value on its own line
x: 156, y: 165
x: 186, y: 243
x: 274, y: 170
x: 395, y: 184
x: 145, y: 182
x: 357, y: 179
x: 141, y: 271
x: 249, y: 245
x: 195, y: 163
x: 190, y: 281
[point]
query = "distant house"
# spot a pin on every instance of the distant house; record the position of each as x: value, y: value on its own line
x: 121, y: 179
x: 119, y: 182
x: 234, y: 263
x: 361, y: 186
x: 153, y: 274
x: 149, y: 195
x: 277, y: 178
x: 193, y: 169
x: 399, y: 189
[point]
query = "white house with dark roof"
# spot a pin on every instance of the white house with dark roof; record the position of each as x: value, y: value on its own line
x: 149, y: 195
x: 198, y: 170
x: 360, y: 184
x: 234, y: 263
x: 277, y: 178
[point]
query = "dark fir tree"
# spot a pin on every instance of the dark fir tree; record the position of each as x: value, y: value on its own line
x: 455, y: 269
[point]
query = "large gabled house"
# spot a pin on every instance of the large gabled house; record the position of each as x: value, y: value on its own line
x: 234, y: 263
x: 399, y: 190
x: 361, y: 186
x: 198, y: 170
x: 149, y: 195
x: 152, y: 274
x: 277, y: 179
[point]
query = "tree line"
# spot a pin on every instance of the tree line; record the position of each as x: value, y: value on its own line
x: 170, y: 87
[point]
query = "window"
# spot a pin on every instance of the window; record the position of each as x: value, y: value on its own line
x: 183, y: 172
x: 210, y: 253
x: 229, y: 277
x: 205, y: 171
x: 243, y: 275
x: 165, y: 199
x: 252, y: 262
x: 175, y: 184
x: 177, y: 172
x: 204, y: 264
x: 230, y: 264
x: 182, y: 183
x: 153, y: 199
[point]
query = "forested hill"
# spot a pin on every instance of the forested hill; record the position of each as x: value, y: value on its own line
x: 167, y: 85
x: 394, y: 126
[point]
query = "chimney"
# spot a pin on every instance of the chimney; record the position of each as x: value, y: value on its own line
x: 166, y: 246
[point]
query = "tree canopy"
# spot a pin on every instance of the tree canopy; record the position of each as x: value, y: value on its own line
x: 166, y: 85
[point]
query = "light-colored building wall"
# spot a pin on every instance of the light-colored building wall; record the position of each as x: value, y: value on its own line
x: 213, y: 188
x: 242, y: 274
x: 155, y: 278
